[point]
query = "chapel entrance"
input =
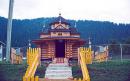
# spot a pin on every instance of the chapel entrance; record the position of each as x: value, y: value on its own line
x: 60, y: 48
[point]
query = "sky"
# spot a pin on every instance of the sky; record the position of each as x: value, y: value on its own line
x: 117, y: 11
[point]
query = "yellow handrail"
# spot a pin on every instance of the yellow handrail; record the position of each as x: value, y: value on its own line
x: 33, y: 56
x: 36, y: 78
x: 85, y: 55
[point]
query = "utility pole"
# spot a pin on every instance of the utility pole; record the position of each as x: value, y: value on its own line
x: 9, y: 30
x: 1, y: 52
x: 121, y: 51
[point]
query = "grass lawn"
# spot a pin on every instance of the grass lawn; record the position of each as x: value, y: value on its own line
x: 11, y: 72
x: 107, y: 71
x: 15, y: 72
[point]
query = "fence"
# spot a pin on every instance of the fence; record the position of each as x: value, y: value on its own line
x: 115, y: 51
x: 17, y: 53
x: 33, y: 60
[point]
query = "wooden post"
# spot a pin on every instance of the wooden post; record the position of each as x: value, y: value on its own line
x: 36, y: 78
x: 78, y: 56
x: 28, y: 79
x: 32, y: 78
x: 24, y: 79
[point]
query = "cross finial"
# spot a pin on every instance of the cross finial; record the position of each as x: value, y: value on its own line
x: 59, y: 14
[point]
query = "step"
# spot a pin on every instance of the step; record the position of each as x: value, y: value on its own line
x: 58, y: 71
x: 59, y: 74
x: 45, y: 79
x: 58, y: 64
x: 59, y: 68
x: 57, y: 77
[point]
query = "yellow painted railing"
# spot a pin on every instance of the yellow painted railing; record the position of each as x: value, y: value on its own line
x: 33, y: 60
x: 85, y: 55
x: 31, y: 78
x: 75, y: 79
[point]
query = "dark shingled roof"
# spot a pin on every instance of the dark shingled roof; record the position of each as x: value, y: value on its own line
x: 60, y: 19
x: 48, y: 29
x: 59, y: 30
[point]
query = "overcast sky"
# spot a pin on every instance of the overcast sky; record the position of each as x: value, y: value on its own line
x: 117, y: 11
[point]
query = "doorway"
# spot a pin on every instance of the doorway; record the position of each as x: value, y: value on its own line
x: 60, y: 48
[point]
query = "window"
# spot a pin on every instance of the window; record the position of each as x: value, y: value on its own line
x: 60, y: 34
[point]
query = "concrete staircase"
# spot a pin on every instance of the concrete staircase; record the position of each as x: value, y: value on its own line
x: 57, y: 70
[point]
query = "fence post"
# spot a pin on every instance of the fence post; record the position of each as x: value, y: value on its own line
x: 24, y: 79
x: 32, y: 78
x: 36, y: 78
x: 28, y: 79
x: 79, y: 79
x: 75, y: 79
x: 121, y: 51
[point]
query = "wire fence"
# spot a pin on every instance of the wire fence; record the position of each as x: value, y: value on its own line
x: 115, y: 51
x: 16, y: 50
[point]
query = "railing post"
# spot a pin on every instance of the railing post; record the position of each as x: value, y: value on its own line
x: 24, y: 79
x: 32, y: 78
x: 36, y: 78
x: 28, y: 79
x: 79, y: 79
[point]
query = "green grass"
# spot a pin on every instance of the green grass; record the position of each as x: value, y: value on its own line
x: 106, y: 71
x: 40, y: 71
x: 15, y: 72
x: 9, y: 72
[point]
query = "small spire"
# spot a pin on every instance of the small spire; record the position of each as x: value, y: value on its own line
x: 44, y: 25
x: 60, y: 21
x: 60, y: 18
x: 29, y: 43
x: 75, y: 24
x: 90, y: 44
x: 59, y: 12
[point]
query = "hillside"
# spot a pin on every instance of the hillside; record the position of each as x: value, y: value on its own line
x: 100, y: 32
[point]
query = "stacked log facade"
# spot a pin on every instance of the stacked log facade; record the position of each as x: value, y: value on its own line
x: 59, y: 29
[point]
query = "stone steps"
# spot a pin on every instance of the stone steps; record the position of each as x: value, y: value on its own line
x: 55, y: 80
x: 58, y: 71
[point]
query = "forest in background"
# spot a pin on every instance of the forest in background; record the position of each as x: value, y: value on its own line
x: 100, y: 32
